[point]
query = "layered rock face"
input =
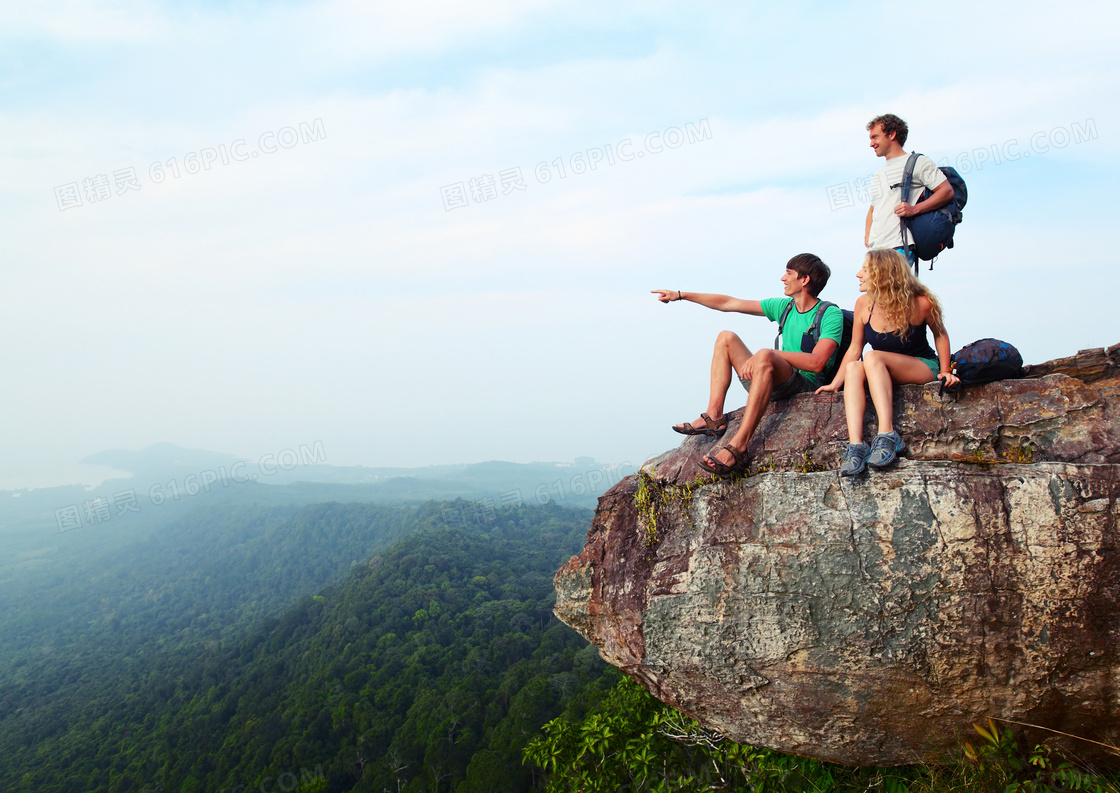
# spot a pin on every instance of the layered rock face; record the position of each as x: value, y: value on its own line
x: 872, y: 621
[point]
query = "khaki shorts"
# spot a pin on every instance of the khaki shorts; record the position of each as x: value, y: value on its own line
x: 796, y: 384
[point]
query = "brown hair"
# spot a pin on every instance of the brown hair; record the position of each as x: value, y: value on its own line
x: 891, y: 123
x: 810, y: 265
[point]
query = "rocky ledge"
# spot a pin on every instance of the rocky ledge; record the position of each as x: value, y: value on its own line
x: 873, y: 621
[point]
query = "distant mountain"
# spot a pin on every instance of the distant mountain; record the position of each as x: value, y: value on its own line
x: 168, y: 479
x: 307, y: 463
x: 51, y: 534
x: 160, y: 457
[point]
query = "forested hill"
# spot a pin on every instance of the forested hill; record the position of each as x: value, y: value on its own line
x: 428, y: 667
x: 211, y: 574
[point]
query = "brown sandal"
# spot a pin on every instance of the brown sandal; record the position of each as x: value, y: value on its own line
x: 713, y: 428
x: 723, y: 469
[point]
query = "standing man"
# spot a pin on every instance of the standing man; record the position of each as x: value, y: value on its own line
x: 883, y: 228
x: 766, y: 374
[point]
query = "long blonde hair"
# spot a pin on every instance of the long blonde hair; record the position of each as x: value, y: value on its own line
x: 893, y: 289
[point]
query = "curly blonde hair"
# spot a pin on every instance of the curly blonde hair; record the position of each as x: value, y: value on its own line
x: 893, y: 289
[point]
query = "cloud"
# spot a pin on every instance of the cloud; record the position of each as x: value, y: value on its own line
x: 76, y: 22
x: 379, y: 30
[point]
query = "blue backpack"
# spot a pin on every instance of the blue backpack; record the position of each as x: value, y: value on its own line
x: 932, y: 232
x: 985, y: 361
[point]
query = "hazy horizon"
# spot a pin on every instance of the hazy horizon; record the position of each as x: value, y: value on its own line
x: 93, y: 474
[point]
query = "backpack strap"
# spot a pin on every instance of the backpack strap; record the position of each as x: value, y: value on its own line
x: 814, y: 330
x: 903, y: 223
x: 782, y: 323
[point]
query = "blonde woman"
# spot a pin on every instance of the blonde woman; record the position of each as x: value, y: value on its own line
x: 892, y: 316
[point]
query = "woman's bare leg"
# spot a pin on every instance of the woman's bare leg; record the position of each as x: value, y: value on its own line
x: 883, y: 370
x: 855, y: 401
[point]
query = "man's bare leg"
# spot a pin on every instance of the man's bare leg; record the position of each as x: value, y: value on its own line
x: 730, y: 354
x: 766, y: 368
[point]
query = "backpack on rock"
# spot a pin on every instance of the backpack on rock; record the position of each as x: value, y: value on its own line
x: 985, y: 361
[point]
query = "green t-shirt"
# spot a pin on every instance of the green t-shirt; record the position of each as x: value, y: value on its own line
x: 798, y: 324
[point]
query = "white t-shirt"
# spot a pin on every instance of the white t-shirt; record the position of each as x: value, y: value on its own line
x: 885, y: 229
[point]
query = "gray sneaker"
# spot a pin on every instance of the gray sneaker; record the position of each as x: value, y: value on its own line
x: 885, y: 449
x: 855, y: 459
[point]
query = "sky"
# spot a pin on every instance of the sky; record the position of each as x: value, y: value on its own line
x: 425, y: 233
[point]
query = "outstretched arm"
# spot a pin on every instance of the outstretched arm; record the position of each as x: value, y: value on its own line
x: 718, y: 302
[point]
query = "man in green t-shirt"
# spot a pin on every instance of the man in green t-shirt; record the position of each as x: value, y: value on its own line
x: 766, y: 374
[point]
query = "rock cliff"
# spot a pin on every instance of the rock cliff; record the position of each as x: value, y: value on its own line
x: 873, y: 621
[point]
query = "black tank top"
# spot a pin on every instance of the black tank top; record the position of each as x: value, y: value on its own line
x: 912, y: 342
